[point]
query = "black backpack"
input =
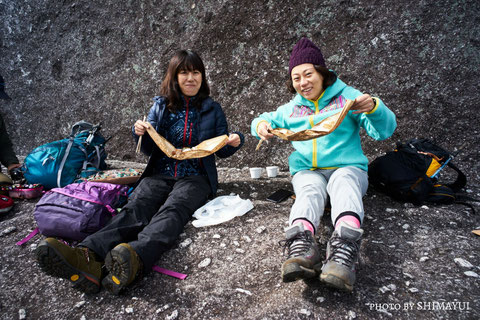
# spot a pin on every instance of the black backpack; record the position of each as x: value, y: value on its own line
x: 410, y: 174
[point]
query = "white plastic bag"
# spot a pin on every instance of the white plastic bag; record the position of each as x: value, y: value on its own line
x: 221, y: 209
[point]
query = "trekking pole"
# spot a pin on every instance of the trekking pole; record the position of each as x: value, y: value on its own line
x: 139, y: 144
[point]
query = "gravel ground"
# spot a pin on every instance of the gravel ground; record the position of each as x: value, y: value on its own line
x: 417, y: 262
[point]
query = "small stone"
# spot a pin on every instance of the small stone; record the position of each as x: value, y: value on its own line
x: 305, y: 312
x: 129, y: 310
x: 413, y: 290
x: 351, y: 314
x: 463, y: 263
x: 7, y: 231
x: 173, y: 315
x: 185, y: 243
x: 216, y: 236
x: 424, y: 207
x: 260, y: 229
x: 243, y: 291
x: 236, y: 243
x: 406, y: 226
x: 80, y: 304
x: 320, y: 299
x: 390, y: 287
x: 205, y: 263
x: 165, y: 307
x: 471, y: 274
x: 423, y: 259
x: 408, y: 275
x: 238, y: 250
x: 389, y: 210
x: 22, y: 314
x: 247, y: 238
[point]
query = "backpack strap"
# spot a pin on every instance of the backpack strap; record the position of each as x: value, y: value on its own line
x: 461, y: 180
x: 62, y: 164
x: 171, y: 273
x: 27, y: 238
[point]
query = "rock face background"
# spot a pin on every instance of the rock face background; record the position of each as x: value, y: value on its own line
x: 65, y: 61
x: 103, y: 61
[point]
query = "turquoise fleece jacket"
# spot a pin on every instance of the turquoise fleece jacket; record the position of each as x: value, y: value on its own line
x: 340, y: 148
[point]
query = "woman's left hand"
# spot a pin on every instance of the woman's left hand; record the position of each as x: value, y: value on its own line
x: 363, y: 103
x: 233, y: 140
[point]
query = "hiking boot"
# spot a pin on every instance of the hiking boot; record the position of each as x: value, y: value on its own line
x: 303, y: 254
x: 342, y: 255
x: 123, y: 265
x: 78, y: 265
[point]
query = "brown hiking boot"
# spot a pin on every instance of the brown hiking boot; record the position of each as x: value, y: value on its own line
x: 303, y: 254
x: 342, y: 256
x: 78, y: 265
x: 123, y: 265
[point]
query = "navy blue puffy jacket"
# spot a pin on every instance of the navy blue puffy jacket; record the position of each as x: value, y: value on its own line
x: 212, y: 124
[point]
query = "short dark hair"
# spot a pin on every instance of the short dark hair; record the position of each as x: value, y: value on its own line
x: 183, y: 60
x: 329, y: 78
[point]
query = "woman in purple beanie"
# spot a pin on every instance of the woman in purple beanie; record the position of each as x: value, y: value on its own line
x: 332, y: 167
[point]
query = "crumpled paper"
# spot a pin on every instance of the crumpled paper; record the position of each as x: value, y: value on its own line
x: 205, y: 148
x: 324, y: 127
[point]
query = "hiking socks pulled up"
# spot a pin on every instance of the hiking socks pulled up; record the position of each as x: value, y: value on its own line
x: 342, y: 256
x: 307, y: 225
x: 303, y: 254
x: 80, y: 266
x: 124, y: 266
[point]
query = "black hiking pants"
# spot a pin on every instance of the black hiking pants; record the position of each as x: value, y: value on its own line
x: 154, y: 217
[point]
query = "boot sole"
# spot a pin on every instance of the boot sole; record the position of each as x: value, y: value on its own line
x: 336, y: 282
x: 53, y: 264
x: 293, y: 272
x: 119, y: 265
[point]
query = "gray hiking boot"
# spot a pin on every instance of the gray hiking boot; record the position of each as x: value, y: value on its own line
x: 303, y: 254
x: 124, y: 266
x: 342, y: 255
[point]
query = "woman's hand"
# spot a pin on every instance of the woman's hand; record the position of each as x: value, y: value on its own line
x: 262, y: 130
x: 363, y: 103
x: 233, y: 140
x: 140, y: 127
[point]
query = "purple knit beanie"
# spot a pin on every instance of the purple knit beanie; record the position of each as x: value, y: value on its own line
x: 305, y: 52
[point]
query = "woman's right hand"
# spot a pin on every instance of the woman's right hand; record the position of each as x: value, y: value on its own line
x: 262, y: 130
x: 140, y: 127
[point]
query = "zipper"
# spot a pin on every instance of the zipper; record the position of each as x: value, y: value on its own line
x: 190, y: 133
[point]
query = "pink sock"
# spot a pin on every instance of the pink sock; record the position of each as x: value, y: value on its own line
x: 350, y: 220
x: 306, y: 224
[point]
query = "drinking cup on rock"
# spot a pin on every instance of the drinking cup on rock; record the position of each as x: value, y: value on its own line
x: 272, y: 171
x: 255, y: 173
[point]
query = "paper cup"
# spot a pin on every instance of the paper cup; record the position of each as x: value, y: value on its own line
x: 255, y: 173
x: 272, y: 171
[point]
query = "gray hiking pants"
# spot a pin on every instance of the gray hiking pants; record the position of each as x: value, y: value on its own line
x: 154, y: 217
x: 345, y: 186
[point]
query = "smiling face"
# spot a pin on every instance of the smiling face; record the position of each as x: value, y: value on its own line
x: 189, y: 82
x: 307, y: 81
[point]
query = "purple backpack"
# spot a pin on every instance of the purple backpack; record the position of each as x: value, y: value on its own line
x: 78, y: 209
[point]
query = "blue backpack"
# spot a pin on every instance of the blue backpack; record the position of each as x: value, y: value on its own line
x: 59, y: 163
